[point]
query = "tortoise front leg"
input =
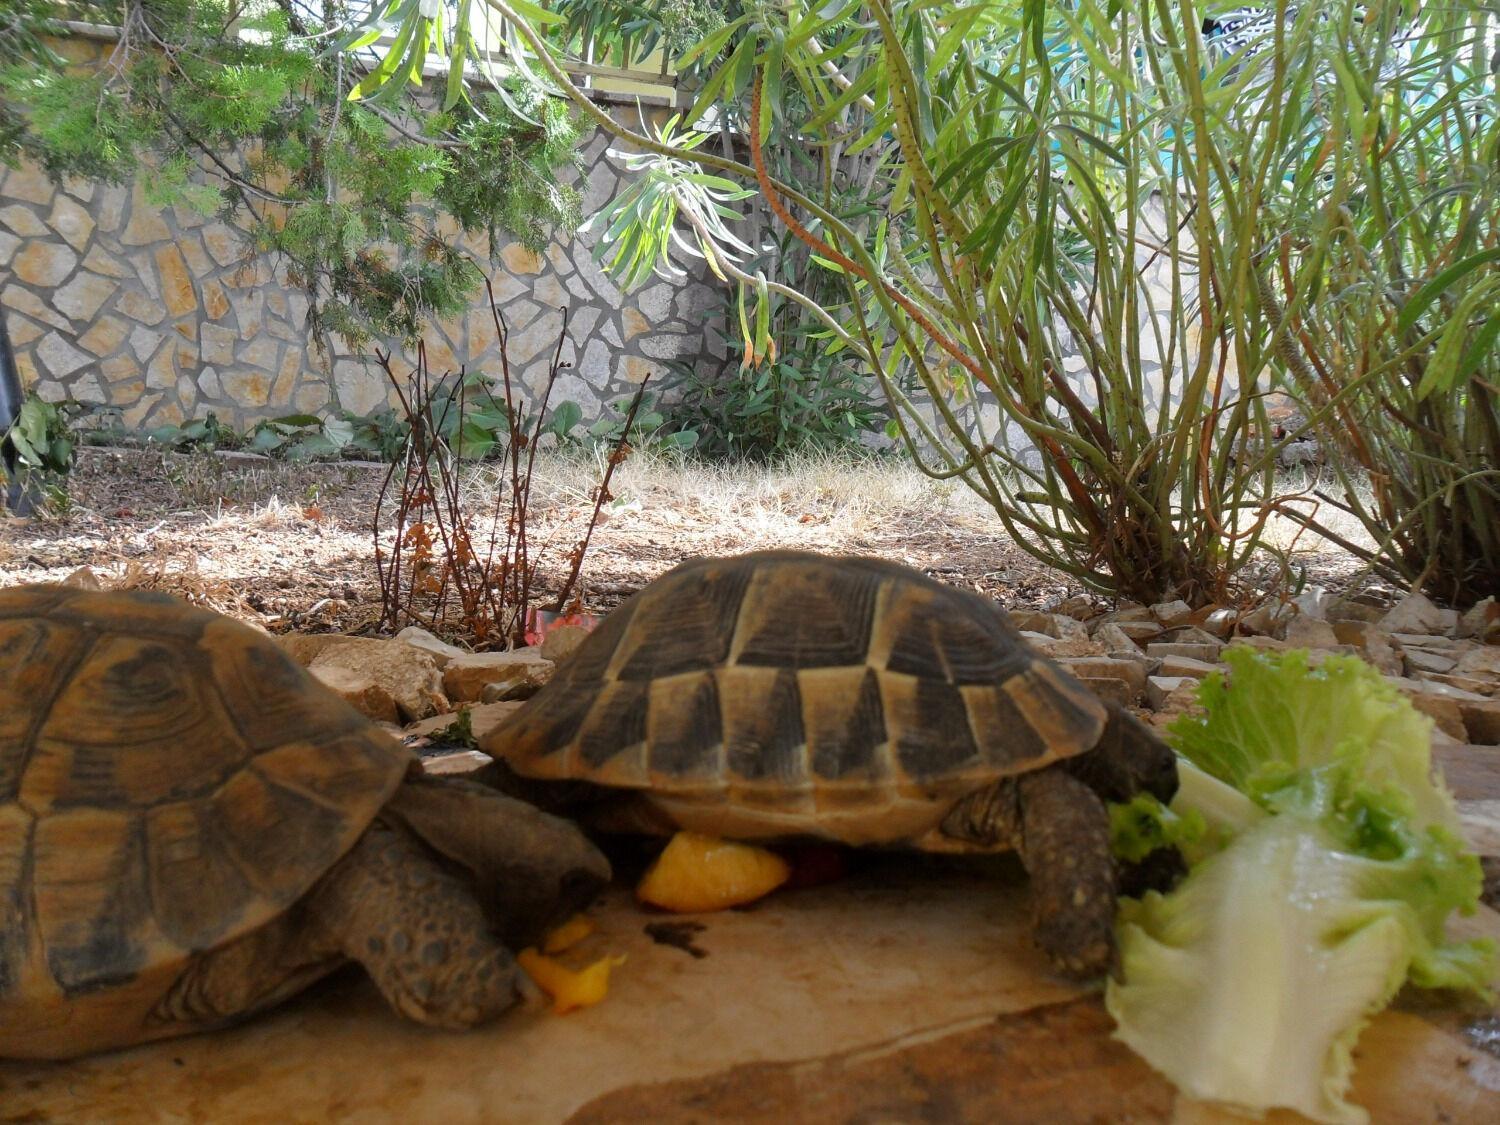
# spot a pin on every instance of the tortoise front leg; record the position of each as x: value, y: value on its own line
x: 417, y: 930
x: 1060, y: 827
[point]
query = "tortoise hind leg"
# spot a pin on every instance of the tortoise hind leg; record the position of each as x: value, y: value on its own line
x: 1060, y: 827
x: 417, y: 930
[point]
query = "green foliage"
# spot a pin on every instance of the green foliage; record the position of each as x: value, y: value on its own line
x: 1391, y: 229
x: 41, y: 437
x: 230, y: 108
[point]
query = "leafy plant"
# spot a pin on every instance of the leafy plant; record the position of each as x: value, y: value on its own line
x: 205, y: 433
x: 239, y: 109
x: 1391, y: 233
x: 41, y: 437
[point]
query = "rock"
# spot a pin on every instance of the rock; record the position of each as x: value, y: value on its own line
x: 483, y: 719
x: 1313, y: 602
x: 1111, y: 690
x: 1350, y: 609
x: 1169, y: 614
x: 1115, y: 641
x: 1421, y: 660
x: 456, y: 763
x: 1482, y: 622
x: 1127, y: 612
x: 1178, y: 697
x: 1221, y: 622
x: 1374, y: 645
x: 1030, y: 621
x: 1309, y: 632
x: 1055, y: 647
x: 1481, y: 720
x: 1192, y: 635
x: 304, y: 648
x: 1133, y: 672
x: 84, y: 578
x: 563, y: 641
x: 1416, y: 614
x: 409, y: 675
x: 1204, y: 653
x: 494, y: 676
x: 1160, y: 688
x: 441, y: 651
x: 1439, y: 702
x: 1463, y: 683
x: 358, y: 689
x: 1269, y: 619
x: 1138, y: 631
x: 1080, y: 607
x: 1186, y: 666
x: 1482, y: 661
x: 1430, y: 641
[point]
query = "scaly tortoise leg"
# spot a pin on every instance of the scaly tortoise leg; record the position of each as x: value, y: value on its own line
x: 417, y: 930
x: 1060, y: 827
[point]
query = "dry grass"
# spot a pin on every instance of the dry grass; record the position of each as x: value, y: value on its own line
x: 291, y: 545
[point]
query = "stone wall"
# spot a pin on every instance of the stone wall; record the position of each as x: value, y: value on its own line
x: 162, y: 315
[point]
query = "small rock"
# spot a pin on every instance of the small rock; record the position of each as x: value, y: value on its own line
x: 1268, y: 644
x: 1463, y: 683
x: 84, y: 578
x: 1483, y: 661
x: 359, y: 690
x: 1129, y: 611
x: 1482, y: 622
x: 1133, y: 672
x: 1192, y: 635
x: 1170, y: 614
x: 1313, y: 602
x: 1110, y: 690
x: 1115, y: 641
x: 1416, y: 614
x: 441, y: 651
x: 1349, y: 609
x: 1374, y: 645
x: 563, y: 641
x: 1177, y: 701
x: 1138, y: 631
x: 483, y: 719
x: 1420, y: 660
x: 1481, y: 720
x: 494, y: 676
x: 1221, y: 622
x: 1439, y: 702
x: 456, y: 763
x: 304, y: 648
x: 1080, y: 607
x: 1269, y: 619
x: 1186, y: 666
x: 1160, y: 688
x: 1205, y: 653
x: 1054, y: 647
x: 1030, y: 620
x: 409, y: 675
x: 1309, y: 632
x: 1430, y: 641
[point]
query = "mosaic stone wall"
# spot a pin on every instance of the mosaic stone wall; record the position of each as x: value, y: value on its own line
x: 161, y: 315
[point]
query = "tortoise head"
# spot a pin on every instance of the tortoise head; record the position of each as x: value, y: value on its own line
x: 1129, y: 758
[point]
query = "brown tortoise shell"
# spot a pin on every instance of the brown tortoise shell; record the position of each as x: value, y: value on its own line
x: 799, y: 681
x: 169, y: 781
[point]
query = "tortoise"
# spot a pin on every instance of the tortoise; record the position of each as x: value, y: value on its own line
x: 193, y: 829
x: 786, y: 694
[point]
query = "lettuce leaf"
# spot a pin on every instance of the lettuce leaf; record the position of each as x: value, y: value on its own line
x: 1329, y: 866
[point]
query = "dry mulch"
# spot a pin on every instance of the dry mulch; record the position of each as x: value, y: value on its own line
x: 290, y: 546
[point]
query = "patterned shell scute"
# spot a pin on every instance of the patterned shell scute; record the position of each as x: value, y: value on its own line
x: 785, y: 671
x: 169, y: 780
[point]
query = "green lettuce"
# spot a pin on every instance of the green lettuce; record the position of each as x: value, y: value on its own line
x: 1329, y: 864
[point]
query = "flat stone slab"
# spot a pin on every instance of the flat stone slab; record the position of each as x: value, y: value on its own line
x: 908, y: 991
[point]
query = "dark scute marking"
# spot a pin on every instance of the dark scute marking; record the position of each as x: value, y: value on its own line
x: 92, y: 907
x: 767, y: 743
x: 197, y: 891
x: 803, y: 616
x: 270, y: 698
x: 36, y: 658
x: 686, y: 623
x: 857, y: 747
x: 280, y: 840
x: 935, y: 740
x: 616, y: 722
x: 15, y: 844
x: 33, y: 600
x: 545, y: 727
x: 590, y: 660
x: 684, y: 734
x: 914, y: 648
x: 1004, y: 735
x: 975, y: 652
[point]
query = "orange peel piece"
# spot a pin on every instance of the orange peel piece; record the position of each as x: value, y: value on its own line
x: 569, y: 988
x: 569, y: 934
x: 696, y: 874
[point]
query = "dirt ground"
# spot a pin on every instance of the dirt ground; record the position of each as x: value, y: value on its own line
x: 291, y: 546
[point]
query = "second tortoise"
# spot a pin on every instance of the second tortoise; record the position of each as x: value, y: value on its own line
x: 783, y: 694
